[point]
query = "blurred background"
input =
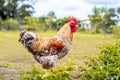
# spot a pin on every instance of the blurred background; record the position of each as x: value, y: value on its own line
x: 95, y: 16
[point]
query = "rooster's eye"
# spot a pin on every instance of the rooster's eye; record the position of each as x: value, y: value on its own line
x: 72, y: 23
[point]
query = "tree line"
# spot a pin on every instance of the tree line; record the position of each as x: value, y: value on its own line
x: 17, y: 15
x: 103, y: 18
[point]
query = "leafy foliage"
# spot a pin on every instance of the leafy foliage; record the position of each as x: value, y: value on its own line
x: 61, y: 73
x: 10, y: 8
x: 104, y: 66
x: 103, y: 18
x: 114, y: 30
x: 43, y: 23
x: 32, y: 24
x: 10, y: 24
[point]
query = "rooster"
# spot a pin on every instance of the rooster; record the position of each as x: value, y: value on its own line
x: 47, y: 51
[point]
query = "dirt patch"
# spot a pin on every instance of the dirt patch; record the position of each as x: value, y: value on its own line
x: 9, y: 73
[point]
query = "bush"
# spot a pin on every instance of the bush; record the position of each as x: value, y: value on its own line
x: 10, y: 24
x: 61, y: 73
x: 32, y: 24
x: 104, y: 66
x: 114, y: 30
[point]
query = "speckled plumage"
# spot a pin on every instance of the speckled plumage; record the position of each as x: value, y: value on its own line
x: 48, y: 50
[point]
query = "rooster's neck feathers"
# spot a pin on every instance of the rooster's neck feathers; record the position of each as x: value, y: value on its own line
x: 65, y: 33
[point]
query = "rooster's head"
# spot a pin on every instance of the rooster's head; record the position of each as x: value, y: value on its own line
x: 72, y: 22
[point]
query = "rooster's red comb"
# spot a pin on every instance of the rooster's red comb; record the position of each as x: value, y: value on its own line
x: 73, y: 19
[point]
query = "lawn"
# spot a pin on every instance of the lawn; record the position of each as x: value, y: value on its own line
x: 14, y: 58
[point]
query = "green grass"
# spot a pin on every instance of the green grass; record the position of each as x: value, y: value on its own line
x: 13, y: 52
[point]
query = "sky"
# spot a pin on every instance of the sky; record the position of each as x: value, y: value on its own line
x: 77, y: 8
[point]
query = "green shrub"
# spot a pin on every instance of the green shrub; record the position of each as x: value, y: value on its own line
x: 104, y: 66
x: 61, y: 73
x: 114, y: 30
x: 10, y: 24
x: 32, y: 24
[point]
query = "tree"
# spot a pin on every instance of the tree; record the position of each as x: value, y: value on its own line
x: 118, y: 10
x: 50, y: 20
x: 103, y: 18
x: 51, y: 14
x: 31, y: 23
x: 2, y: 9
x: 15, y: 9
x: 110, y: 19
x: 96, y: 18
x: 59, y: 23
